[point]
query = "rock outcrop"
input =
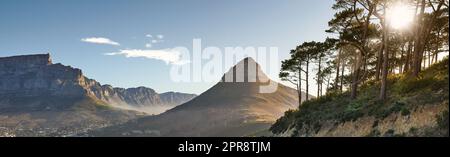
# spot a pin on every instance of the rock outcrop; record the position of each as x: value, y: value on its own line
x: 35, y: 75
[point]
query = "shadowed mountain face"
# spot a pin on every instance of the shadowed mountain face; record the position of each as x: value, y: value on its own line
x: 36, y: 75
x: 233, y: 107
x: 140, y: 99
x: 39, y: 96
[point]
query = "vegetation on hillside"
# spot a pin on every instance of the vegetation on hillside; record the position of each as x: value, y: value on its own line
x: 372, y: 65
x: 406, y: 95
x: 367, y: 44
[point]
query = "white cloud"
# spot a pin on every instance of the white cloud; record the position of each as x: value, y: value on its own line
x: 149, y: 36
x: 155, y: 41
x: 100, y: 40
x: 160, y: 36
x: 170, y: 56
x: 148, y: 45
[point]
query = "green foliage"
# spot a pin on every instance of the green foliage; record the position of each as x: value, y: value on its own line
x: 383, y: 111
x: 404, y: 96
x: 352, y: 112
x: 283, y: 123
x: 411, y: 85
x: 405, y: 111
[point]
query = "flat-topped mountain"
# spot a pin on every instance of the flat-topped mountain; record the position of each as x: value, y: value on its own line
x: 36, y: 75
x: 36, y: 93
x: 236, y: 106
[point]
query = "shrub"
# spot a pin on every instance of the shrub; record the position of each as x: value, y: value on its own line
x: 409, y: 85
x: 283, y: 123
x: 383, y: 112
x: 405, y: 111
x: 352, y: 112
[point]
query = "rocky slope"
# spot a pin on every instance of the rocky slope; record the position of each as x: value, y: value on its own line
x: 234, y: 107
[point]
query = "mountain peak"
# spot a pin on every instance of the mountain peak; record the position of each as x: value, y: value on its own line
x: 246, y: 70
x: 229, y: 108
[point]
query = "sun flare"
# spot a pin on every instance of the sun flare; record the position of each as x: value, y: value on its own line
x: 400, y: 16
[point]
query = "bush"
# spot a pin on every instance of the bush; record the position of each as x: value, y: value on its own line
x: 411, y: 85
x: 284, y: 123
x: 383, y: 112
x: 352, y: 112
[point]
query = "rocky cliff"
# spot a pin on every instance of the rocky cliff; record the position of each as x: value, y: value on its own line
x: 36, y: 75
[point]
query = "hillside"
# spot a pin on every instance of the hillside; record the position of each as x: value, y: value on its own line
x: 227, y: 109
x: 415, y: 107
x: 57, y: 116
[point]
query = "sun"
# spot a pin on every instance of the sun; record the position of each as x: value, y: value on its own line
x: 400, y: 16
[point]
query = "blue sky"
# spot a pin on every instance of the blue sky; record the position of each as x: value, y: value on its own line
x: 57, y: 27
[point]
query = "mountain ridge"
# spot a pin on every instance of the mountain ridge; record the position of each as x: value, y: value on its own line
x: 35, y: 75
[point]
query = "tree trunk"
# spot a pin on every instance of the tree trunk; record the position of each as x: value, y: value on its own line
x: 319, y: 82
x: 307, y: 78
x: 299, y: 85
x: 342, y: 77
x: 408, y: 57
x: 419, y: 45
x: 379, y: 61
x: 436, y: 56
x: 360, y: 55
x: 429, y: 58
x: 391, y: 67
x: 355, y: 76
x: 363, y: 80
x: 338, y: 62
x: 400, y: 69
x: 385, y: 63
